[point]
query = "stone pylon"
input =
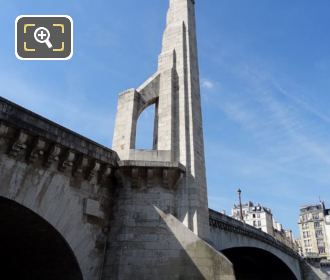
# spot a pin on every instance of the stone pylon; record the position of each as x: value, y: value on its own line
x: 178, y: 130
x: 160, y: 223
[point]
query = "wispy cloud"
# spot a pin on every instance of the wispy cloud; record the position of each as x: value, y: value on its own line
x: 207, y: 84
x: 299, y: 101
x: 263, y: 112
x: 277, y: 144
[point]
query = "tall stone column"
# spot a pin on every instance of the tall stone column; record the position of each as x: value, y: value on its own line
x: 160, y: 219
x: 179, y: 42
x: 176, y: 90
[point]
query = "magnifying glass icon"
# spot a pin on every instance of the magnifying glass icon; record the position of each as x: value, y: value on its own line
x: 42, y: 35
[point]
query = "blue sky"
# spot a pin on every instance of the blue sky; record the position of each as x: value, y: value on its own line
x: 264, y: 65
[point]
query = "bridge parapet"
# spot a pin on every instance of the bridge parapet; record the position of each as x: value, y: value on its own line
x: 224, y: 222
x: 29, y: 137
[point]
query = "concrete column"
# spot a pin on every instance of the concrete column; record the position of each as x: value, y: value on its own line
x: 179, y: 133
x: 125, y: 124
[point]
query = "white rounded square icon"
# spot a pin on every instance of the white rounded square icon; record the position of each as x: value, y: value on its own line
x: 44, y: 37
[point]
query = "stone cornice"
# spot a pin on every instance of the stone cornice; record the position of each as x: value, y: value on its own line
x: 146, y: 174
x: 29, y: 137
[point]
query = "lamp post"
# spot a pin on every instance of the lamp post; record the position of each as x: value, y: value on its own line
x: 240, y: 205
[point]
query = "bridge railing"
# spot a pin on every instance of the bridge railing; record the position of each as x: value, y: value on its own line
x: 224, y: 222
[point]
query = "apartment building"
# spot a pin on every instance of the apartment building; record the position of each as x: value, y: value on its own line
x: 314, y: 227
x: 262, y: 218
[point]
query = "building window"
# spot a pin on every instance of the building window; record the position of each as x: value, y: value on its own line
x: 316, y: 216
x: 317, y: 224
x: 254, y: 223
x: 321, y: 250
x: 304, y: 217
x: 306, y: 234
x: 258, y: 215
x: 259, y: 223
x: 319, y: 233
x: 307, y: 243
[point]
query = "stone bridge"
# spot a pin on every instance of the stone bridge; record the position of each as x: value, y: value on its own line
x: 60, y: 193
x: 72, y: 209
x: 252, y: 251
x: 52, y: 198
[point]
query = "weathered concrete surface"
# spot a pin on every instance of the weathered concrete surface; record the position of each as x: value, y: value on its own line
x: 171, y: 177
x: 69, y: 184
x: 211, y: 263
x: 50, y: 195
x: 178, y: 132
x: 146, y: 243
x: 59, y: 175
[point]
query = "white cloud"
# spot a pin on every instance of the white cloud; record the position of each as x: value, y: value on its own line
x: 207, y: 84
x: 276, y: 119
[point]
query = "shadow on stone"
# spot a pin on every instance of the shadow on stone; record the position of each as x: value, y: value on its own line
x: 256, y: 264
x: 30, y: 248
x: 146, y: 243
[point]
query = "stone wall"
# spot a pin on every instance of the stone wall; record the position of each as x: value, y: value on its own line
x: 61, y: 176
x: 315, y: 270
x: 148, y: 242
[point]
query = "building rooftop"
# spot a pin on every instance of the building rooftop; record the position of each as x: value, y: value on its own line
x: 254, y: 208
x: 313, y: 208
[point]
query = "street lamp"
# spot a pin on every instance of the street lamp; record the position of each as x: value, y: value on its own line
x: 240, y: 205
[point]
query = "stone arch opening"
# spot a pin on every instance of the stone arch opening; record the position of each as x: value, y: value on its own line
x: 31, y: 248
x: 146, y: 135
x: 257, y: 264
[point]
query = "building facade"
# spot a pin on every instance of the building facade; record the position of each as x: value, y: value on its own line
x: 327, y: 229
x: 255, y: 215
x: 262, y: 218
x: 314, y: 227
x: 299, y: 246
